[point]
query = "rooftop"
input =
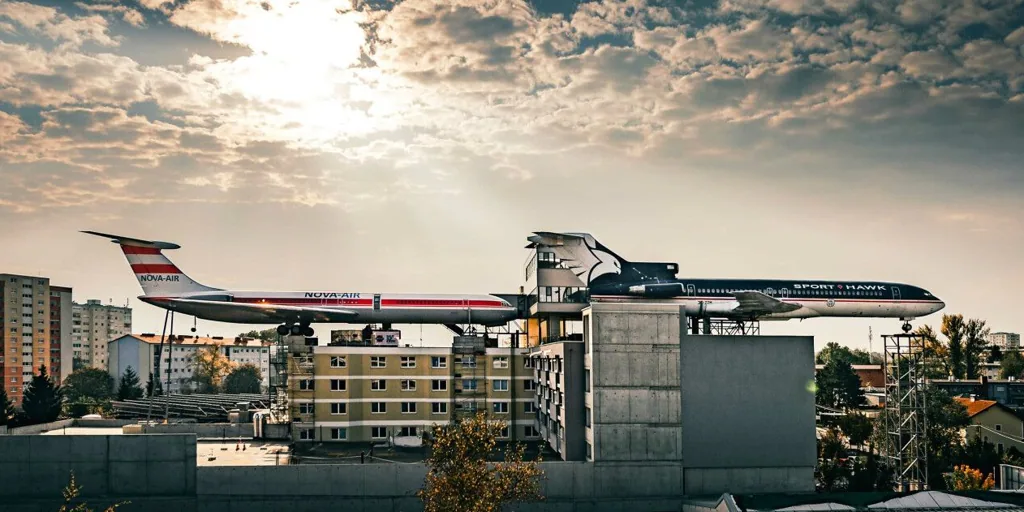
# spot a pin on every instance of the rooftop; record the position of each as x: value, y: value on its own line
x: 975, y: 406
x: 179, y: 339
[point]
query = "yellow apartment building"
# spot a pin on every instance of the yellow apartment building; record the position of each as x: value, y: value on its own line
x: 376, y: 393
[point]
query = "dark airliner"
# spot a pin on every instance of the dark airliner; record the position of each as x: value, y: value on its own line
x: 609, y: 276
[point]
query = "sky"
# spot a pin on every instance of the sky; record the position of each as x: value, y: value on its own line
x: 413, y: 146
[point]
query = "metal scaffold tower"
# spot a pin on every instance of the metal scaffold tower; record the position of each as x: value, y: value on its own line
x: 905, y: 416
x: 469, y: 376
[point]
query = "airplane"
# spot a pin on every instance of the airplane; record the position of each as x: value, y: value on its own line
x: 611, y: 277
x: 164, y: 285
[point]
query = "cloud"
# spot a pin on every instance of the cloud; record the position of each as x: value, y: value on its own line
x: 53, y: 24
x: 129, y: 15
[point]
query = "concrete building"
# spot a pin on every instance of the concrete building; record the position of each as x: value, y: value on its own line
x: 374, y: 393
x: 562, y: 416
x: 1005, y: 340
x: 1008, y: 392
x: 994, y: 423
x: 36, y: 320
x: 95, y: 325
x: 140, y: 351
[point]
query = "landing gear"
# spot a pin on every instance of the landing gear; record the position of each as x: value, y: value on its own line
x: 906, y: 324
x: 295, y: 330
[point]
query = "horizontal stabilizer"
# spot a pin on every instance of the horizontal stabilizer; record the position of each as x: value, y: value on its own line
x: 136, y: 242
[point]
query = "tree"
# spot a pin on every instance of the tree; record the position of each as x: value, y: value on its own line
x: 945, y: 419
x: 129, y: 388
x: 209, y: 366
x: 838, y: 386
x: 981, y: 454
x: 936, y: 355
x: 43, y: 399
x: 72, y: 491
x: 975, y: 335
x: 965, y: 478
x: 834, y: 350
x: 245, y: 378
x: 150, y: 384
x: 459, y: 477
x: 995, y: 354
x: 6, y: 407
x: 953, y: 330
x: 88, y: 390
x: 857, y: 428
x: 1012, y: 365
x: 268, y: 335
x: 832, y: 473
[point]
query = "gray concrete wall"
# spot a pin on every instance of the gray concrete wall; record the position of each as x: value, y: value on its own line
x: 635, y: 390
x: 29, y: 430
x: 202, y: 430
x: 39, y: 467
x: 747, y: 413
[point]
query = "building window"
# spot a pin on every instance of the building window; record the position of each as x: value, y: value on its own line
x: 469, y: 361
x: 339, y: 434
x: 338, y: 362
x: 500, y: 407
x: 408, y: 431
x: 338, y: 384
x: 438, y: 362
x: 504, y: 433
x: 306, y: 434
x: 528, y: 363
x: 469, y: 384
x: 590, y: 452
x: 438, y: 385
x: 305, y: 408
x: 408, y: 407
x: 999, y: 427
x: 306, y: 385
x: 378, y: 407
x: 378, y: 385
x: 408, y: 362
x: 439, y: 407
x: 339, y: 408
x: 586, y: 416
x: 501, y: 362
x: 586, y: 381
x: 408, y: 385
x: 529, y: 385
x: 378, y: 432
x: 530, y: 431
x: 378, y: 362
x: 529, y: 407
x: 501, y: 385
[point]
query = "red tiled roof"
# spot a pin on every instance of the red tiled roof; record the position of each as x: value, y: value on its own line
x: 976, y: 407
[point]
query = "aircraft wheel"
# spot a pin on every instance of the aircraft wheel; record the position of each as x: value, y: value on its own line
x: 283, y: 330
x: 907, y: 327
x: 307, y: 331
x: 296, y: 330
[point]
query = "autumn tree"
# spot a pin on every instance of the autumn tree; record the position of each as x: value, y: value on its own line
x: 88, y: 390
x: 460, y: 479
x: 953, y: 330
x: 209, y: 367
x: 966, y: 478
x: 72, y: 491
x: 43, y: 399
x: 267, y: 335
x: 6, y: 407
x: 244, y: 378
x: 129, y: 388
x: 834, y: 350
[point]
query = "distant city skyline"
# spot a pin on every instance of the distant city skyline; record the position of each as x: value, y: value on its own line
x: 413, y: 147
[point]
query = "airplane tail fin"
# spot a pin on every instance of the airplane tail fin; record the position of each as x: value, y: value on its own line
x: 593, y: 262
x: 158, y: 276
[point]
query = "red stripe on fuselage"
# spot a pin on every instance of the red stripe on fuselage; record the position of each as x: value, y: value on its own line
x: 384, y: 303
x: 134, y: 249
x: 154, y: 268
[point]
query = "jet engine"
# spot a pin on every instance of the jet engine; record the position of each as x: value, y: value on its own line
x: 658, y: 290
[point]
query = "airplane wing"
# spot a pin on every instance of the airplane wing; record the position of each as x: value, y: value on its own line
x: 756, y: 303
x: 272, y: 313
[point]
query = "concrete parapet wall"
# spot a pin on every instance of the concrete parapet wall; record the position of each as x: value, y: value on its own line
x: 201, y: 430
x: 40, y: 466
x: 103, y: 423
x: 29, y: 430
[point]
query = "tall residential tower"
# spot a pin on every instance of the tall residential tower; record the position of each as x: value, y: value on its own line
x: 36, y: 320
x: 95, y: 325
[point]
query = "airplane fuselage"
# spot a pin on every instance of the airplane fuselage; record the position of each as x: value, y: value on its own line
x: 369, y: 308
x: 711, y: 297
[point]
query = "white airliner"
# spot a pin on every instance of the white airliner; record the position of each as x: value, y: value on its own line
x: 166, y: 286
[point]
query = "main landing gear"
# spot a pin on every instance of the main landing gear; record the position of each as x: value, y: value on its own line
x: 295, y: 330
x: 906, y: 325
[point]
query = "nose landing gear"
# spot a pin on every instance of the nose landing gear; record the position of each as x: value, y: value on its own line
x: 295, y: 330
x: 906, y: 324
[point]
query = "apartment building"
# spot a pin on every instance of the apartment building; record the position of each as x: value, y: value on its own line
x: 374, y: 393
x: 1005, y: 340
x: 36, y: 320
x: 95, y: 325
x: 560, y: 384
x: 140, y: 351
